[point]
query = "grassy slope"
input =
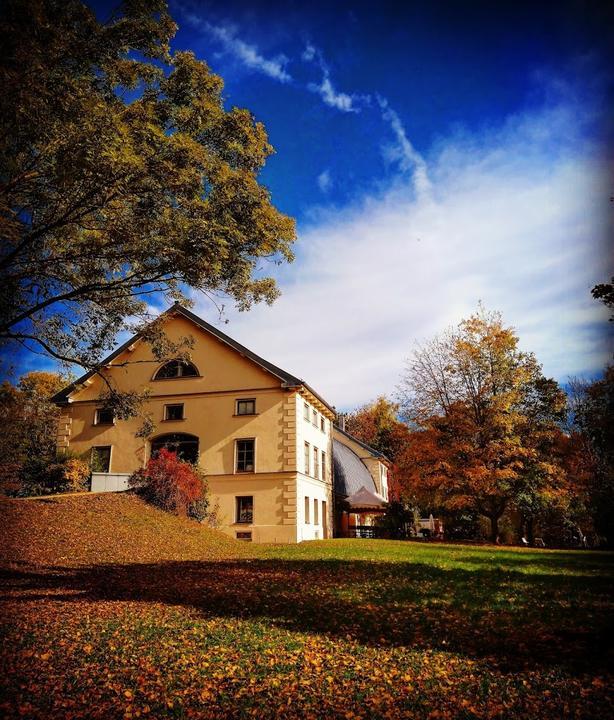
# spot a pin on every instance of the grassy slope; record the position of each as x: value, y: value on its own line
x: 114, y: 609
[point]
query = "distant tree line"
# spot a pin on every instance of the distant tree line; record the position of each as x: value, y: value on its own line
x: 479, y: 436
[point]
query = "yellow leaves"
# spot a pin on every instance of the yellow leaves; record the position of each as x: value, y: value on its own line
x: 340, y: 629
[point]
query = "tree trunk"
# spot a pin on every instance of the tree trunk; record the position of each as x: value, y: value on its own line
x: 494, y: 528
x: 530, y: 530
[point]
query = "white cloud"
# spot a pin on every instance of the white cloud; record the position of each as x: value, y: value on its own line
x: 247, y: 54
x: 515, y: 219
x: 325, y: 181
x: 404, y: 152
x: 339, y: 100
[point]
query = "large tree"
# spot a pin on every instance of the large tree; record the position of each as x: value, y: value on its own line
x: 593, y: 421
x: 377, y: 423
x: 121, y: 175
x: 485, y: 419
x: 30, y: 423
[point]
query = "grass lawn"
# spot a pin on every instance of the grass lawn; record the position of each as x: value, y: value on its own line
x: 111, y: 608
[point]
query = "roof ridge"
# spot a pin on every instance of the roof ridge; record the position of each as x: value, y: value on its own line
x: 361, y: 443
x: 288, y: 380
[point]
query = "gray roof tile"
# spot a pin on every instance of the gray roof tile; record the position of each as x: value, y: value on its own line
x: 351, y: 474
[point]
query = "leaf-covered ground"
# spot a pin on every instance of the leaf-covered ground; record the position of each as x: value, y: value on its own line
x: 112, y: 609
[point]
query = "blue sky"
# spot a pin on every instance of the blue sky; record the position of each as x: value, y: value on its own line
x: 434, y: 155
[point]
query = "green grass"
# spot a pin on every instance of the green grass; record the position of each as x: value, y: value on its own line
x: 194, y: 625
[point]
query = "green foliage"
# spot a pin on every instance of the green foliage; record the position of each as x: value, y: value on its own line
x: 605, y: 293
x: 122, y: 175
x: 199, y: 509
x: 398, y: 520
x: 593, y: 419
x: 28, y: 445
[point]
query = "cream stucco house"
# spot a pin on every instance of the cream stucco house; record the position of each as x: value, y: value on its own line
x: 263, y: 436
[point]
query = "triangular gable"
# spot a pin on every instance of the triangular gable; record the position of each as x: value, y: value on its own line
x: 287, y: 379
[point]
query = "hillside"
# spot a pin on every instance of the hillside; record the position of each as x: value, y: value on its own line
x: 106, y: 528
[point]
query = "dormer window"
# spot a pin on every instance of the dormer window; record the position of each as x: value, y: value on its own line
x: 177, y: 369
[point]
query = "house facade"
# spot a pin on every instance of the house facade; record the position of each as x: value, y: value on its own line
x: 263, y: 437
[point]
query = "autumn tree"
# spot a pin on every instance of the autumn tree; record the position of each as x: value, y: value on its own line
x: 593, y: 421
x: 484, y: 418
x: 29, y: 421
x: 122, y: 175
x: 377, y: 423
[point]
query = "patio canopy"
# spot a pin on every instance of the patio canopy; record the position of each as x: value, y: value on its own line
x: 366, y: 500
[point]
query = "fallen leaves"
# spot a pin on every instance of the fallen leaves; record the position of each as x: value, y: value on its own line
x: 171, y: 620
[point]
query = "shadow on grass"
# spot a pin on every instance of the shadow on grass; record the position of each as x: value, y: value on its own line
x: 515, y: 619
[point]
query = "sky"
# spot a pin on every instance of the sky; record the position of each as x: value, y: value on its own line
x: 434, y: 155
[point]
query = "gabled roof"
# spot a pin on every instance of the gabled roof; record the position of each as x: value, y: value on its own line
x: 288, y: 380
x: 350, y: 473
x: 365, y: 498
x: 368, y: 448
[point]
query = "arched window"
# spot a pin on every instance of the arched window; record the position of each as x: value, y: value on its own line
x: 186, y: 446
x: 177, y: 369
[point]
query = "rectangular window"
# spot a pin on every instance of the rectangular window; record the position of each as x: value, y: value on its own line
x: 306, y: 458
x: 315, y: 512
x: 173, y: 412
x: 323, y: 465
x: 245, y: 509
x: 104, y: 416
x: 322, y: 424
x: 314, y: 418
x: 100, y: 460
x: 246, y: 407
x: 306, y: 510
x: 245, y: 455
x: 316, y: 467
x: 306, y: 411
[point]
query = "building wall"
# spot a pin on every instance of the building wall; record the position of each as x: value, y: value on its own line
x: 314, y: 487
x: 277, y: 484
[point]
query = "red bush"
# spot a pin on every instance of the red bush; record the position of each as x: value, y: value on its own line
x: 169, y: 482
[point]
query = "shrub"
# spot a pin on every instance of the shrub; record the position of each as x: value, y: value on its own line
x: 41, y: 476
x: 198, y: 509
x: 76, y: 474
x: 171, y: 484
x: 10, y: 478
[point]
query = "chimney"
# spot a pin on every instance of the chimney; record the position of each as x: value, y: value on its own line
x: 342, y: 421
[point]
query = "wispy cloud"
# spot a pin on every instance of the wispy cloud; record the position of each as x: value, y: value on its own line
x: 325, y: 182
x: 513, y: 224
x: 408, y: 158
x: 248, y: 54
x: 342, y: 101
